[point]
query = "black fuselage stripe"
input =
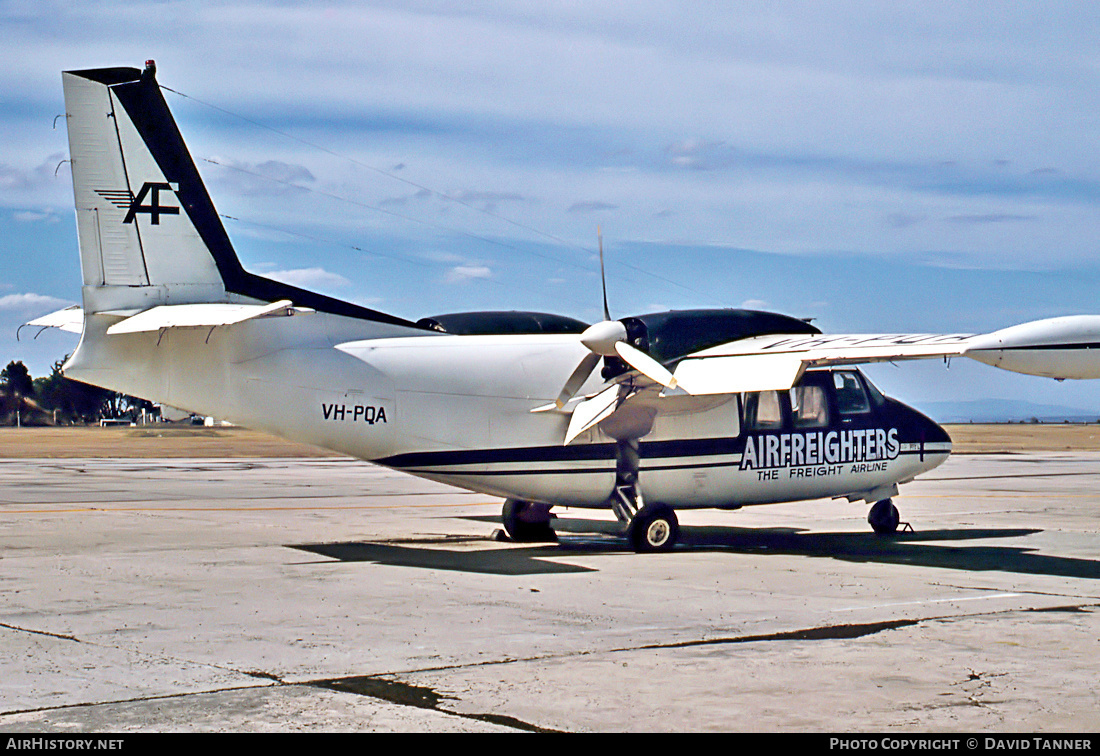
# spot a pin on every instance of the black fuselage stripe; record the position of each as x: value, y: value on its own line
x: 570, y: 470
x: 581, y: 453
x: 448, y: 468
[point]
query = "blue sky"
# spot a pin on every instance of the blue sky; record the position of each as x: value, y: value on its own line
x: 911, y: 166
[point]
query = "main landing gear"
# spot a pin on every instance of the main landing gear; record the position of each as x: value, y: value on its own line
x: 650, y: 527
x: 884, y: 517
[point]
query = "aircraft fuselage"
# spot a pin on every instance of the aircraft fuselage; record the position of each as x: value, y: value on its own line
x: 457, y: 409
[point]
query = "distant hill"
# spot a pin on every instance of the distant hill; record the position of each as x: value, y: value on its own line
x: 1005, y: 411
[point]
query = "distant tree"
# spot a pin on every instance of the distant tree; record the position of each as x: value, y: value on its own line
x: 17, y: 396
x: 16, y: 379
x: 50, y: 390
x: 70, y: 401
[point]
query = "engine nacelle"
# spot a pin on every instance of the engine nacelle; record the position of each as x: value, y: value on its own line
x: 1059, y: 348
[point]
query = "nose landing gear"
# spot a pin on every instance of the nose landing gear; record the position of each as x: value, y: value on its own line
x: 884, y: 517
x: 527, y: 522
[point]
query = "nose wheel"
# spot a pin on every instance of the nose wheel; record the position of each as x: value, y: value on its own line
x: 527, y: 522
x: 884, y: 517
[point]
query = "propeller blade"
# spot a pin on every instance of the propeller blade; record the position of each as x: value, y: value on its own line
x: 645, y: 364
x: 577, y: 379
x: 603, y: 278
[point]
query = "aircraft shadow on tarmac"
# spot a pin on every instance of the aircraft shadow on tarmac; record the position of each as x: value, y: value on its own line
x: 923, y: 549
x: 427, y: 554
x: 592, y: 538
x: 920, y: 548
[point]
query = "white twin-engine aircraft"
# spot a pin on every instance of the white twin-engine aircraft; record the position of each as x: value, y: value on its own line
x: 691, y: 409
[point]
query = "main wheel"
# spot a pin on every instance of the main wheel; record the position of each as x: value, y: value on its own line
x: 884, y: 517
x: 654, y: 528
x: 526, y: 522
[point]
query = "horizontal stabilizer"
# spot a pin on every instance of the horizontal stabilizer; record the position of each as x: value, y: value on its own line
x: 198, y: 316
x: 70, y: 319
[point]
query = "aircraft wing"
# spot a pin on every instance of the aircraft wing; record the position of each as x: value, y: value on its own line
x: 1059, y: 348
x: 777, y: 361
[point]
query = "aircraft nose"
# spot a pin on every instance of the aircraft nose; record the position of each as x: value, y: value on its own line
x: 921, y: 432
x: 933, y: 432
x: 935, y: 442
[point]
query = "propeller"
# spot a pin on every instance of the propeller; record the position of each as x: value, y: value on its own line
x: 609, y: 338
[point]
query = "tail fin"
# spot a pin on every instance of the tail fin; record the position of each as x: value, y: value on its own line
x: 144, y: 218
x: 148, y: 231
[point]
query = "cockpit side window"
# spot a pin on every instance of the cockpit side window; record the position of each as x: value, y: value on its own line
x: 763, y: 410
x: 877, y: 397
x: 809, y: 407
x: 850, y: 396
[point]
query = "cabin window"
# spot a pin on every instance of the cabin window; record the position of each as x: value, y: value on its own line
x: 763, y: 411
x: 809, y: 407
x: 850, y: 397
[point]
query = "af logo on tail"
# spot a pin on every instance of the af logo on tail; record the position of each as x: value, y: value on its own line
x: 154, y: 208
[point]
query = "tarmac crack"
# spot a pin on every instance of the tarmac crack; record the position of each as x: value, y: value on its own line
x: 383, y: 688
x: 1089, y: 601
x: 417, y: 696
x: 847, y: 631
x: 140, y: 699
x: 423, y: 697
x: 62, y: 636
x: 825, y: 632
x: 46, y: 633
x: 390, y: 691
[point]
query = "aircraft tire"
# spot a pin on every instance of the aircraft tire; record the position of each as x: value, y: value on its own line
x: 654, y: 528
x: 884, y: 517
x: 521, y: 528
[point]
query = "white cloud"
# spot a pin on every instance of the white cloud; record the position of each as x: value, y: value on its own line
x: 267, y: 179
x: 463, y: 273
x: 698, y: 154
x: 17, y: 178
x: 487, y: 201
x: 31, y: 216
x: 593, y: 206
x: 28, y: 302
x: 369, y: 302
x: 309, y: 278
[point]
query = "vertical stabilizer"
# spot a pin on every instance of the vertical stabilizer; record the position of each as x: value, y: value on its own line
x: 149, y: 234
x: 144, y: 218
